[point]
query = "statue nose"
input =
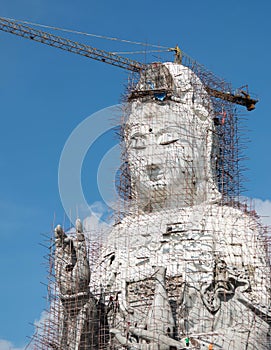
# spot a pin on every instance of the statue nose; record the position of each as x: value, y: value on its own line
x: 154, y: 172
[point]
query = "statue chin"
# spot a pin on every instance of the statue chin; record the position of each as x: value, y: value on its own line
x: 152, y: 196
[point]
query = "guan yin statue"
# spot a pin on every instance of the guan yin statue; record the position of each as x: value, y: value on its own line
x: 182, y: 268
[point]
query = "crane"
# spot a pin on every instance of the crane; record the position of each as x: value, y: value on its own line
x: 11, y: 26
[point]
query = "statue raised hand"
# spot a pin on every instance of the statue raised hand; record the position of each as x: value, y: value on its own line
x: 79, y: 329
x: 71, y: 262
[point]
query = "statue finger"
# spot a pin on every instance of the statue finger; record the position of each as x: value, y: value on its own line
x: 59, y: 233
x: 79, y: 230
x: 60, y: 236
x: 80, y: 242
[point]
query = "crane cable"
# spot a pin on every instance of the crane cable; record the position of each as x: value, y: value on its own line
x: 86, y: 34
x: 135, y: 52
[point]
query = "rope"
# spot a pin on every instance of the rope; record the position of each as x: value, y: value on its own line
x: 86, y: 34
x: 132, y: 52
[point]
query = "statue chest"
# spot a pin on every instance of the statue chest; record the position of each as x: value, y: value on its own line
x: 181, y: 247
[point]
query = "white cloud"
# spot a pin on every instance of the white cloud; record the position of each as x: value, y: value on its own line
x: 95, y: 227
x: 263, y: 208
x: 42, y: 330
x: 7, y: 345
x: 43, y: 317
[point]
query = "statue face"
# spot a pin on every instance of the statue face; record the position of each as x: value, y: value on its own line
x: 164, y: 154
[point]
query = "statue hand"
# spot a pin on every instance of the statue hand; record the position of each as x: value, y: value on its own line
x: 71, y: 261
x: 155, y: 341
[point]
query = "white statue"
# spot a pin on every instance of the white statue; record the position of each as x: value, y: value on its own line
x: 181, y: 270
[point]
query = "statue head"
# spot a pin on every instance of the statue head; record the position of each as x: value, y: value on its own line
x: 169, y: 141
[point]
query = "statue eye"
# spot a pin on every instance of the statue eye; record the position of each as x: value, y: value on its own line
x: 138, y: 142
x: 168, y: 138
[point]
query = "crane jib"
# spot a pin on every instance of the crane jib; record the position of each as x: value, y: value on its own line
x: 69, y: 45
x: 13, y: 27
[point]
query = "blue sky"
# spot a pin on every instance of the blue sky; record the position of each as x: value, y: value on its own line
x: 45, y: 93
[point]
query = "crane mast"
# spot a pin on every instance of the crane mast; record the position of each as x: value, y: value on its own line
x: 13, y: 27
